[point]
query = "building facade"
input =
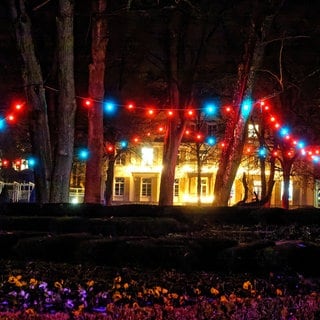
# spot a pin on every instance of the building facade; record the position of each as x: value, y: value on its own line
x: 137, y: 179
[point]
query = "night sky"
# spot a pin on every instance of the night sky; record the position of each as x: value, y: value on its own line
x: 136, y: 51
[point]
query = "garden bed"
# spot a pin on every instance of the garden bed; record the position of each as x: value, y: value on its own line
x: 64, y: 262
x: 38, y: 290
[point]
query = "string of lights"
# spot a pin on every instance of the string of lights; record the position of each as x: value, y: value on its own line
x: 211, y: 108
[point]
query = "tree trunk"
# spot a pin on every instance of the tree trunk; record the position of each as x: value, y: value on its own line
x: 271, y: 181
x: 262, y: 162
x: 95, y: 113
x: 198, y: 173
x: 170, y: 153
x: 35, y: 92
x: 66, y: 108
x: 236, y: 129
x: 246, y: 190
x: 176, y: 126
x: 263, y: 177
x: 286, y: 167
x: 109, y: 180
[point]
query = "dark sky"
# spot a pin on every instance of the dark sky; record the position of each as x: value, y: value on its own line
x: 296, y: 18
x: 136, y: 46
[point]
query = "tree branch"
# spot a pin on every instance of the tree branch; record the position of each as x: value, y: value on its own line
x: 286, y: 38
x: 40, y: 5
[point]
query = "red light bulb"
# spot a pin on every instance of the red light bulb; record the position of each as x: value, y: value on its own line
x: 170, y: 113
x: 190, y: 113
x: 130, y: 106
x: 88, y: 103
x: 18, y: 106
x: 11, y: 118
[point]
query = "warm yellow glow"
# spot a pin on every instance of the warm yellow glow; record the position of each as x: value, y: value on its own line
x: 74, y: 200
x: 188, y: 198
x: 147, y: 156
x: 187, y: 168
x: 208, y: 169
x: 131, y: 169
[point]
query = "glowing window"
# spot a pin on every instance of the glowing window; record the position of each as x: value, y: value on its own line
x: 252, y: 130
x: 176, y: 188
x: 204, y: 186
x: 121, y: 160
x: 147, y: 156
x: 146, y: 187
x: 119, y: 187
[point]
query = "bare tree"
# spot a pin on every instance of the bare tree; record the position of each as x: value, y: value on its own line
x: 236, y: 129
x: 50, y: 176
x: 95, y: 113
x: 181, y: 73
x: 66, y: 107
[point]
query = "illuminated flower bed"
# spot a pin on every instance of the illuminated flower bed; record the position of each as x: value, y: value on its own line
x: 89, y: 293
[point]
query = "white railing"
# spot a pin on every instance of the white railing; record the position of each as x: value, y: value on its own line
x: 16, y: 191
x: 21, y: 192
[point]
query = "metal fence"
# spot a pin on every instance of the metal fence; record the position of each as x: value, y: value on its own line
x: 16, y: 191
x: 22, y: 192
